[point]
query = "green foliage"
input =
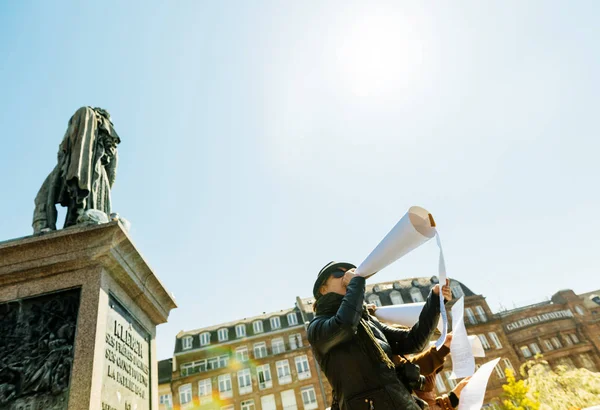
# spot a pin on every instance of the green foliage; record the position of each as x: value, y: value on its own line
x: 545, y: 389
x: 516, y: 395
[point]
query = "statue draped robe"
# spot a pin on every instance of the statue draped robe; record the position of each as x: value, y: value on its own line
x: 85, y: 172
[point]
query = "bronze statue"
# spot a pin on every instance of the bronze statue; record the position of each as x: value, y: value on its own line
x: 84, y: 174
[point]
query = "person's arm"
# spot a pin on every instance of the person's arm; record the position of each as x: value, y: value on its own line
x: 432, y: 359
x: 416, y: 339
x: 325, y: 334
x: 450, y: 401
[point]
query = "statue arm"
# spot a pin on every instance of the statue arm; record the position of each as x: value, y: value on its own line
x: 111, y: 169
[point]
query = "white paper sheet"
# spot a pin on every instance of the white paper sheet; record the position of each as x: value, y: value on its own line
x: 471, y: 397
x: 406, y: 314
x: 463, y: 362
x: 442, y: 281
x: 412, y: 231
x: 476, y: 346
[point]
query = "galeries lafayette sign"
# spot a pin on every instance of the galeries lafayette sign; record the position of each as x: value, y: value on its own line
x: 534, y: 320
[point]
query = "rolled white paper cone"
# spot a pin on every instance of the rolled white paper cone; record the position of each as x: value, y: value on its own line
x: 406, y: 314
x: 413, y: 230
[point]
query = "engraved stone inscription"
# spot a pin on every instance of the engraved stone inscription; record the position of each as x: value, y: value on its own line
x: 36, y: 351
x: 126, y: 384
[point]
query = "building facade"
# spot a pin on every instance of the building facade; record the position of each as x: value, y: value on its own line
x: 262, y: 362
x: 265, y: 362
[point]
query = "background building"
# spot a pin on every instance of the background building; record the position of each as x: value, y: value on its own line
x: 265, y: 362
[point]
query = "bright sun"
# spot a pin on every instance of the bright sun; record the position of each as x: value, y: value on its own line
x: 379, y: 54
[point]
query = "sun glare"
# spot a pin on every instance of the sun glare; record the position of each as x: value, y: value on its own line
x: 379, y: 54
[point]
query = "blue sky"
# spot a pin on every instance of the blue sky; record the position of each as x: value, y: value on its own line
x: 261, y: 140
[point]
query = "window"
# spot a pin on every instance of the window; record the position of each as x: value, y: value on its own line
x: 295, y: 341
x: 268, y: 402
x: 374, y: 299
x: 258, y: 326
x: 568, y: 340
x: 574, y: 338
x: 499, y: 371
x: 275, y: 323
x: 223, y: 335
x: 396, y: 298
x: 484, y: 342
x: 217, y: 362
x: 508, y: 364
x: 241, y: 354
x: 187, y: 342
x: 302, y: 367
x: 481, y: 313
x: 225, y: 390
x: 535, y: 348
x: 309, y: 398
x: 248, y: 405
x: 205, y: 391
x: 283, y: 372
x: 548, y: 345
x: 526, y: 352
x: 260, y: 350
x: 292, y: 319
x: 167, y: 400
x: 277, y: 345
x: 579, y: 310
x: 204, y: 339
x: 264, y: 377
x: 451, y: 382
x: 185, y: 393
x: 439, y: 383
x: 288, y: 399
x: 193, y: 367
x: 456, y: 289
x: 416, y: 295
x: 495, y: 340
x: 244, y: 381
x: 556, y: 343
x: 565, y: 361
x: 587, y: 362
x: 240, y: 330
x: 470, y: 316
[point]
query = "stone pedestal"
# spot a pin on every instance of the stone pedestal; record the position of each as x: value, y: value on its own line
x: 78, y: 314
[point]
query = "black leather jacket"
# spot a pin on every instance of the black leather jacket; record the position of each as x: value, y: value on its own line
x: 358, y: 382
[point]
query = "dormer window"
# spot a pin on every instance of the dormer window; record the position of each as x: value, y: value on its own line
x: 456, y: 289
x: 396, y: 298
x: 223, y: 335
x: 204, y: 339
x: 257, y: 326
x: 374, y: 299
x: 186, y: 342
x: 240, y: 330
x: 416, y: 296
x: 275, y: 323
x: 292, y: 319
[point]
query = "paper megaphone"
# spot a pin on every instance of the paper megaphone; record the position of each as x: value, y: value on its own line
x: 406, y: 314
x: 414, y: 229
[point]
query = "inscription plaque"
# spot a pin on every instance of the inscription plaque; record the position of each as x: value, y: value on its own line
x: 36, y: 351
x: 126, y: 377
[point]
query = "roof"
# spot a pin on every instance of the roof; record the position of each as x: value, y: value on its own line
x: 382, y: 289
x: 165, y: 371
x: 589, y: 299
x: 403, y: 286
x: 234, y: 322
